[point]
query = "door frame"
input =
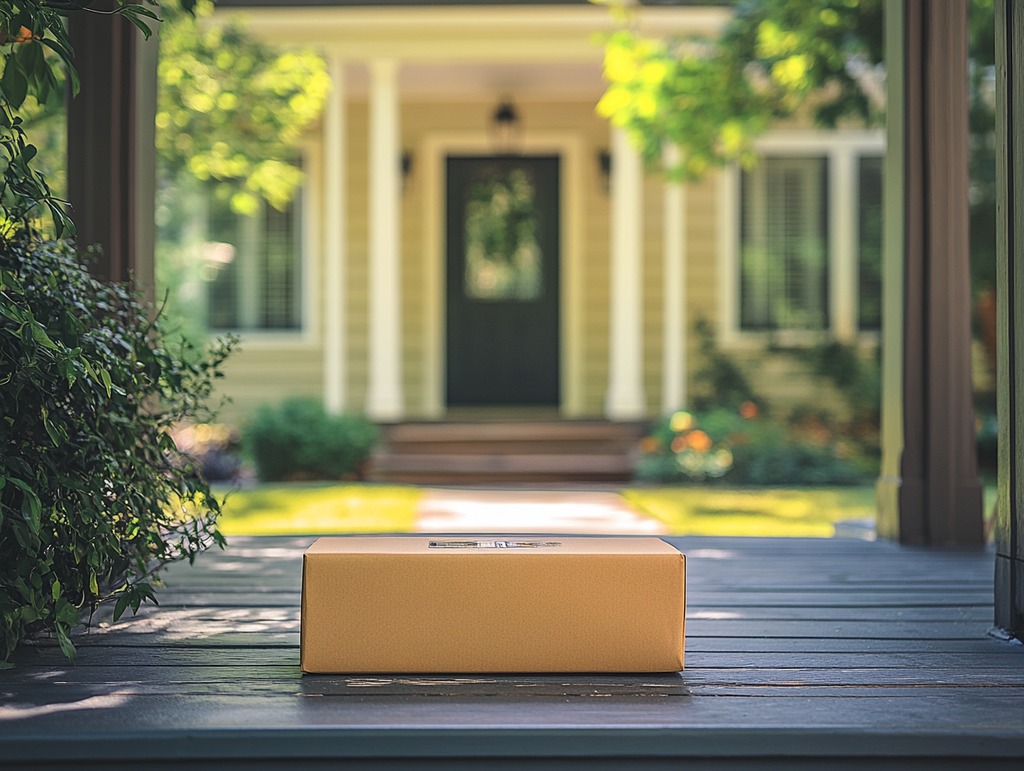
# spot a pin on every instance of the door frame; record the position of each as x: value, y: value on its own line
x: 569, y: 148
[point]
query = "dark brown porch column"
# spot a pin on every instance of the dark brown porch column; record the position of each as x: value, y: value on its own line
x: 935, y: 482
x: 110, y: 144
x: 1009, y: 589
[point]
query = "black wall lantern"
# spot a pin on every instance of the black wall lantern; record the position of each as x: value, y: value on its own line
x: 506, y: 129
x: 604, y: 168
x: 406, y: 165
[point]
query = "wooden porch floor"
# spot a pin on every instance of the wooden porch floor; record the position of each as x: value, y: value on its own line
x: 800, y: 653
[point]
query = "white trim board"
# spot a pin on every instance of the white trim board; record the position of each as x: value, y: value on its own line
x: 841, y: 148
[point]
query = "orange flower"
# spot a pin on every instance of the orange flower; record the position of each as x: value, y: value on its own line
x: 24, y: 35
x: 699, y: 441
x: 649, y: 444
x: 749, y: 410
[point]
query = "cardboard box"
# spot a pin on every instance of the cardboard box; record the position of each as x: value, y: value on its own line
x: 492, y: 604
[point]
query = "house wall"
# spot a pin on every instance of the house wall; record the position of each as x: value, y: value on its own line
x: 451, y: 62
x: 269, y: 368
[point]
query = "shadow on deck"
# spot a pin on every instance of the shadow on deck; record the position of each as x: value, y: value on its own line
x: 800, y: 653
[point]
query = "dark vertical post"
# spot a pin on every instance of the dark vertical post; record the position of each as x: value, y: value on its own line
x: 101, y: 141
x: 940, y: 498
x: 1009, y: 588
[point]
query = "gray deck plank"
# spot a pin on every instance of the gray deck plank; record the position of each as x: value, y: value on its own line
x: 798, y: 652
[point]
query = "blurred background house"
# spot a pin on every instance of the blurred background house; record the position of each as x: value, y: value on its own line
x: 471, y: 239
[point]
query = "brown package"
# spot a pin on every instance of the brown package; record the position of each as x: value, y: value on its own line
x: 492, y: 604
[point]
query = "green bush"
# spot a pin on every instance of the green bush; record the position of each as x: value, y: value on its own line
x: 297, y: 439
x: 719, y: 381
x: 743, y: 448
x: 94, y: 496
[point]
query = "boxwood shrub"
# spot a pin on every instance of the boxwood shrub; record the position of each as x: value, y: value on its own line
x: 297, y: 439
x: 94, y: 496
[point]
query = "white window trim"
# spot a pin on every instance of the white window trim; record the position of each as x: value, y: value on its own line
x: 841, y: 149
x: 307, y: 336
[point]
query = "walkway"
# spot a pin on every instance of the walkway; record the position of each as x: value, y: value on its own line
x: 530, y: 511
x: 830, y: 653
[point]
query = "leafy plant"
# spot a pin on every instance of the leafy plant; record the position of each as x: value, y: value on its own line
x: 297, y: 439
x: 743, y: 447
x: 856, y: 377
x: 719, y: 379
x: 93, y: 496
x: 231, y: 109
x: 772, y: 59
x: 35, y: 53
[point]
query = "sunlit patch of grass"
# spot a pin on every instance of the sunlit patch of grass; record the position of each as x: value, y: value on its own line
x: 806, y: 512
x: 319, y: 508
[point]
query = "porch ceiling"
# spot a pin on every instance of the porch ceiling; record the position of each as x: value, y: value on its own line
x: 539, y: 52
x: 488, y: 81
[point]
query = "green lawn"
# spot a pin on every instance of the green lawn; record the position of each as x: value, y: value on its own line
x: 324, y: 508
x: 805, y: 512
x: 315, y: 508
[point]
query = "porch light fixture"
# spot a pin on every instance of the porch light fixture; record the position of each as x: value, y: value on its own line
x: 604, y: 168
x: 506, y: 128
x: 406, y: 166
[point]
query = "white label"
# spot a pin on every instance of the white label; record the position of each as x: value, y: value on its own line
x: 493, y: 544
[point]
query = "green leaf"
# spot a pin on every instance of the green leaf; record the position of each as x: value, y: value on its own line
x: 67, y: 613
x: 120, y: 606
x: 14, y: 83
x: 31, y: 507
x: 64, y: 640
x: 40, y: 336
x: 55, y: 589
x: 94, y: 587
x: 53, y: 433
x: 105, y: 379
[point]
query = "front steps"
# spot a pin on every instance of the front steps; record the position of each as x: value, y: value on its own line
x: 506, y: 452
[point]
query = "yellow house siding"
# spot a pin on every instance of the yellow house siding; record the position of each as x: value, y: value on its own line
x: 263, y: 374
x: 702, y: 265
x: 269, y: 370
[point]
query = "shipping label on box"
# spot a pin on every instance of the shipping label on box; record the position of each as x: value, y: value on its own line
x: 373, y: 604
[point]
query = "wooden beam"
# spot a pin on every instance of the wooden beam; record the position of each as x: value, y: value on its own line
x: 110, y: 145
x: 939, y: 493
x: 887, y: 489
x: 1009, y: 585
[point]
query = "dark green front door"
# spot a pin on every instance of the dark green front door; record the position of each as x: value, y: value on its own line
x: 502, y: 280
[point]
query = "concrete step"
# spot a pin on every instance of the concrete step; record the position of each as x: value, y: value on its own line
x: 500, y: 451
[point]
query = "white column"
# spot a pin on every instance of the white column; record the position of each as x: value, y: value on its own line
x: 334, y: 241
x: 843, y: 199
x: 625, y: 398
x: 673, y: 376
x: 384, y: 400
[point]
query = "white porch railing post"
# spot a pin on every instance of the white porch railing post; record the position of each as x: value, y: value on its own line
x: 384, y: 400
x: 625, y: 397
x: 334, y: 242
x: 673, y: 388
